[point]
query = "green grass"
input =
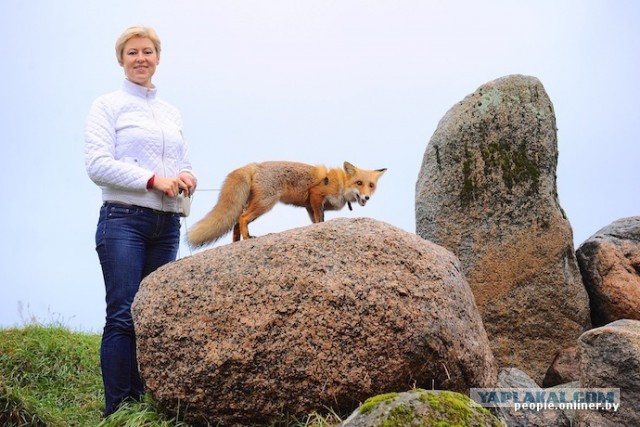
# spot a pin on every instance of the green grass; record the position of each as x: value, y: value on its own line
x: 50, y: 376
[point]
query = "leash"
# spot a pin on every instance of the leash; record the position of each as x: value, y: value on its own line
x: 184, y: 223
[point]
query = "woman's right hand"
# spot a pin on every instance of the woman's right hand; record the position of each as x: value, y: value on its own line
x: 169, y: 185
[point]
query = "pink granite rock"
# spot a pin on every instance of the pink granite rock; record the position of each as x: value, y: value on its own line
x: 315, y: 317
x: 610, y: 265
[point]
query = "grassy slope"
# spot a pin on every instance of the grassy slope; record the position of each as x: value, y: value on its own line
x: 51, y: 376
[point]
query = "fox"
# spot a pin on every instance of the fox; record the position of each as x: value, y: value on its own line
x: 254, y: 189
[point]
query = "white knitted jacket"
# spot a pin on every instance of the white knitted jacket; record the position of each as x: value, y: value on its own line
x: 131, y: 135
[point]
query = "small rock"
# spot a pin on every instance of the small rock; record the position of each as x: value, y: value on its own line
x: 421, y: 408
x: 515, y: 378
x: 565, y: 368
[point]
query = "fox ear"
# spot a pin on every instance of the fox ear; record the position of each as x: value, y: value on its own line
x: 381, y: 171
x: 349, y: 168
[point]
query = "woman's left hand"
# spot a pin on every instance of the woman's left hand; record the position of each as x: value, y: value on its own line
x: 188, y: 182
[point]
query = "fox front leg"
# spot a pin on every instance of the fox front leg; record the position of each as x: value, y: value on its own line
x: 316, y: 208
x: 236, y: 232
x: 316, y: 215
x: 311, y: 214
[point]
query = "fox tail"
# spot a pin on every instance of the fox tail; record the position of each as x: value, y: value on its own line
x: 224, y: 215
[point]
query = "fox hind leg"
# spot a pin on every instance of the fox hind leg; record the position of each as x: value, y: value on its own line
x: 254, y: 210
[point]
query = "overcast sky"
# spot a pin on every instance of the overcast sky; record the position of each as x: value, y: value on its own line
x: 319, y: 82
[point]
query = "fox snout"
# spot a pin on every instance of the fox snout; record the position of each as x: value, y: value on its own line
x: 362, y: 200
x: 355, y: 196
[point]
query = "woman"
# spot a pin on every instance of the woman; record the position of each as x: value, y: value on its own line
x: 136, y: 153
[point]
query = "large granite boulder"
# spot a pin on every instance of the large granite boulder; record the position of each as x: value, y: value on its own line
x: 610, y: 358
x: 610, y: 265
x: 487, y: 192
x: 315, y: 317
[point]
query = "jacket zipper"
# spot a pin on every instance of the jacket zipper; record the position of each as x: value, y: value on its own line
x: 164, y: 170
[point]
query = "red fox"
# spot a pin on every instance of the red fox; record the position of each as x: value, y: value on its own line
x: 253, y: 190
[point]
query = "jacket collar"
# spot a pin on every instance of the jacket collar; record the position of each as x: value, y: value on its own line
x: 138, y: 90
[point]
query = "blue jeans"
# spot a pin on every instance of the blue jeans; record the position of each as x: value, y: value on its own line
x: 131, y: 242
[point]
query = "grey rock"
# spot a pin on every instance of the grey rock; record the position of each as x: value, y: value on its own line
x: 610, y: 358
x: 487, y: 192
x: 515, y: 378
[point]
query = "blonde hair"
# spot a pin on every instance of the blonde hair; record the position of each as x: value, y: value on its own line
x: 137, y: 31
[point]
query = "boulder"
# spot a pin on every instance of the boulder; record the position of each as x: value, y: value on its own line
x: 421, y: 408
x: 610, y: 265
x: 321, y: 316
x: 565, y: 368
x: 487, y: 192
x: 610, y: 358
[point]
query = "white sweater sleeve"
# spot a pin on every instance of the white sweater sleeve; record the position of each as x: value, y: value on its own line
x: 185, y: 162
x: 102, y: 166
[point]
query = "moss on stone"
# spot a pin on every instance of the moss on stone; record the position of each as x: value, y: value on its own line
x: 373, y: 402
x: 421, y: 408
x: 468, y: 188
x: 400, y: 416
x: 514, y: 166
x: 456, y: 408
